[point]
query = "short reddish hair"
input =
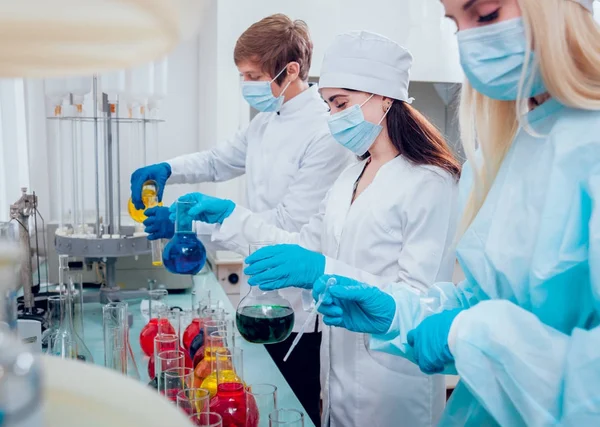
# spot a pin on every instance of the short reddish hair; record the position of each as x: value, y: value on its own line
x: 274, y: 42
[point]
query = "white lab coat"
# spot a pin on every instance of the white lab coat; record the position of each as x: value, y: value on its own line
x: 290, y: 160
x: 400, y: 229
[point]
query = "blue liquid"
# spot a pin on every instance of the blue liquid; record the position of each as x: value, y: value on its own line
x: 184, y: 254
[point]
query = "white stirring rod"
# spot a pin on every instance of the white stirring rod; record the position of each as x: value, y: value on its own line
x: 310, y: 318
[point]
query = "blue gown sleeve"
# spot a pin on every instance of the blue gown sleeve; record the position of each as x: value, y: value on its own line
x: 525, y: 372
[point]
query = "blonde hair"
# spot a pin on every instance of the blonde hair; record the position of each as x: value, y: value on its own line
x: 566, y: 38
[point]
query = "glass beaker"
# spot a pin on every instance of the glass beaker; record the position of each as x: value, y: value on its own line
x: 216, y: 344
x: 207, y: 419
x: 68, y: 344
x: 174, y: 380
x: 286, y: 418
x: 264, y: 317
x: 158, y: 323
x: 184, y: 254
x: 231, y: 401
x: 193, y: 400
x: 162, y: 343
x: 265, y: 398
x: 166, y: 360
x: 114, y: 326
x: 149, y: 192
x: 56, y: 314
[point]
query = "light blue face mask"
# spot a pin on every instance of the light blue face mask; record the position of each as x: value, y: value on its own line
x: 260, y: 96
x: 493, y: 58
x: 350, y: 129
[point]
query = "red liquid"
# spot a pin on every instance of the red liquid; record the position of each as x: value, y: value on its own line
x: 230, y: 403
x: 150, y: 331
x: 171, y: 394
x: 191, y: 332
x: 151, y: 368
x: 198, y: 357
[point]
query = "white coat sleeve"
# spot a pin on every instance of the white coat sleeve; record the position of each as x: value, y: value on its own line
x: 429, y: 222
x: 320, y: 166
x: 243, y: 227
x: 226, y: 161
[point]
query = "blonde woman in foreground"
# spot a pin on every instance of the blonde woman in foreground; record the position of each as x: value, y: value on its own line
x: 522, y: 329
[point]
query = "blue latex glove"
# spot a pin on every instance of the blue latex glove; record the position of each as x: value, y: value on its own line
x: 355, y: 306
x: 430, y: 341
x: 158, y: 173
x: 211, y: 210
x: 282, y: 266
x: 158, y: 225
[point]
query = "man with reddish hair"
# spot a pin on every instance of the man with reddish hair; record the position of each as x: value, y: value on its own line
x: 290, y: 160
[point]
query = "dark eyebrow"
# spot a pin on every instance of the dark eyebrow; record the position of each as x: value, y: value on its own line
x: 334, y: 97
x: 469, y: 4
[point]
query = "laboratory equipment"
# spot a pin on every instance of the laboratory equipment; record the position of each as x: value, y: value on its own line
x: 193, y: 400
x: 311, y: 317
x: 114, y: 326
x: 207, y: 419
x: 76, y: 284
x: 158, y: 323
x: 166, y: 360
x: 162, y: 342
x: 264, y: 317
x: 286, y: 418
x: 265, y: 397
x: 231, y: 401
x: 217, y: 344
x: 184, y: 254
x: 205, y: 365
x: 150, y: 199
x: 56, y: 313
x: 68, y: 344
x: 173, y: 380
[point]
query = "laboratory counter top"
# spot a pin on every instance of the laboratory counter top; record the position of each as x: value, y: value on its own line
x: 259, y: 368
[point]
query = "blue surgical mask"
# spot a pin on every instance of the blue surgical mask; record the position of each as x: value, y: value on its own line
x: 350, y: 129
x: 260, y: 96
x: 493, y: 57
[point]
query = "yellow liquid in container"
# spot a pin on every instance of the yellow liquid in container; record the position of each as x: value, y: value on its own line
x: 210, y: 382
x: 149, y: 195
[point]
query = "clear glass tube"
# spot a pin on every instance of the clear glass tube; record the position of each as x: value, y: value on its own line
x: 264, y: 396
x: 174, y: 380
x: 76, y: 283
x: 286, y: 418
x: 56, y: 314
x: 114, y: 325
x: 166, y: 360
x: 193, y: 400
x: 207, y: 419
x: 162, y: 343
x: 69, y: 344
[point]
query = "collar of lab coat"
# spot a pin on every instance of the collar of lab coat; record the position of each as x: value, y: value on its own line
x: 300, y: 101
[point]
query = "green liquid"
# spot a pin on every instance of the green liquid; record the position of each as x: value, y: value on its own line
x: 265, y: 324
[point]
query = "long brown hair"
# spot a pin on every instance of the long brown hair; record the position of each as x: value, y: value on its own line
x: 418, y: 140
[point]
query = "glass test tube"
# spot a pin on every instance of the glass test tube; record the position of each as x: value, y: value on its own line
x: 115, y: 327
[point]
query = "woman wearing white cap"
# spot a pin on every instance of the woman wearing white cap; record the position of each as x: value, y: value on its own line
x: 389, y: 217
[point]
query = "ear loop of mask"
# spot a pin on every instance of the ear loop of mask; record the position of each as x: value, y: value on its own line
x: 286, y: 86
x: 385, y: 114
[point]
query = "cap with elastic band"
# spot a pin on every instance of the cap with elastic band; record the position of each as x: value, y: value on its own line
x: 367, y: 62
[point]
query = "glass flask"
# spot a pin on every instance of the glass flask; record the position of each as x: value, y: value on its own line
x: 184, y: 254
x: 68, y: 344
x: 232, y: 401
x: 265, y: 396
x: 264, y: 317
x: 173, y: 380
x: 217, y: 344
x: 286, y: 418
x: 56, y: 314
x: 205, y: 362
x: 159, y: 322
x: 149, y: 191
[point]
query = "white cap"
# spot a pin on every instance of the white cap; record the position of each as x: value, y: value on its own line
x: 368, y: 62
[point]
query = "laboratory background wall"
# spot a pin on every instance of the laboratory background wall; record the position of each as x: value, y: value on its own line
x: 204, y: 106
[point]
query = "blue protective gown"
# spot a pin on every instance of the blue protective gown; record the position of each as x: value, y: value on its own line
x: 527, y: 347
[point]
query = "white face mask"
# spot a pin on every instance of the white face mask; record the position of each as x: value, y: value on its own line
x: 260, y: 96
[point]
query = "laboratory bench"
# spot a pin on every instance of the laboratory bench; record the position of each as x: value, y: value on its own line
x: 259, y: 368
